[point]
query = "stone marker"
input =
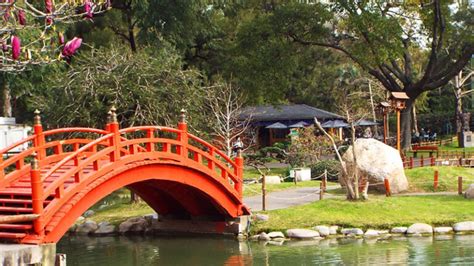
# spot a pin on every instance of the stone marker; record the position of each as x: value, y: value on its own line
x: 420, y: 228
x: 301, y: 233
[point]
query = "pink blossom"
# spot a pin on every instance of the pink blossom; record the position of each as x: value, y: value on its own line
x: 21, y: 17
x: 71, y: 47
x: 88, y: 9
x: 16, y: 47
x: 49, y: 10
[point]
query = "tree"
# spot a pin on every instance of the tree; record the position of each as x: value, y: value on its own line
x: 460, y: 81
x: 381, y: 37
x: 225, y: 104
x: 32, y: 34
x: 145, y: 87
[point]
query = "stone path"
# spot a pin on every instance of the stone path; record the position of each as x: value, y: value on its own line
x: 287, y: 198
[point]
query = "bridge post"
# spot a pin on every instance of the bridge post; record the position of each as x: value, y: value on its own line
x: 37, y: 197
x: 39, y: 136
x: 239, y: 171
x: 113, y: 127
x: 183, y: 136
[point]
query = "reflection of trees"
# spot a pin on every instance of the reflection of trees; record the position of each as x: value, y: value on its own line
x: 211, y: 251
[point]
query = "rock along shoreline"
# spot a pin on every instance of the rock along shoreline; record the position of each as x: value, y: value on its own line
x: 145, y: 225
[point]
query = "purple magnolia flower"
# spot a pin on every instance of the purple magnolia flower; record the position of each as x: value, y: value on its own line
x: 88, y: 9
x: 49, y: 10
x: 16, y: 47
x: 21, y: 17
x: 71, y: 47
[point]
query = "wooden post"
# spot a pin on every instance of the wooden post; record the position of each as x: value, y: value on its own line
x: 388, y: 193
x: 399, y: 147
x: 321, y: 191
x: 422, y: 161
x: 264, y: 196
x: 435, y: 181
x: 385, y: 127
x: 39, y: 141
x: 239, y: 171
x: 432, y: 161
x: 411, y: 162
x: 325, y: 180
x: 183, y: 136
x: 460, y: 185
x: 114, y: 127
x: 37, y: 196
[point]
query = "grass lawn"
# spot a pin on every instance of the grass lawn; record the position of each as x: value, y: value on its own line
x: 256, y: 189
x: 251, y: 173
x: 421, y: 179
x: 378, y: 212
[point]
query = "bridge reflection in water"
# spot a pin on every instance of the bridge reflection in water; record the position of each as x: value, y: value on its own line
x: 440, y: 250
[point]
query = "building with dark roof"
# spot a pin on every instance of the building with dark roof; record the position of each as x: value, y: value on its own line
x: 273, y: 122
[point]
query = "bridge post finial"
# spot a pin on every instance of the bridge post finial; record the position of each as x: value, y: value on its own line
x: 182, y: 117
x: 39, y: 136
x: 113, y: 114
x: 37, y: 119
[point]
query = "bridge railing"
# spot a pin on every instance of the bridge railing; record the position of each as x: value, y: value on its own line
x: 121, y: 145
x: 48, y: 147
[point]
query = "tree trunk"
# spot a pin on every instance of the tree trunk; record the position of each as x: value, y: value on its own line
x: 459, y: 119
x: 6, y: 98
x: 415, y: 120
x: 406, y: 124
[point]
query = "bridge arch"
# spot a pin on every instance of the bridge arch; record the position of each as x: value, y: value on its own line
x: 175, y: 172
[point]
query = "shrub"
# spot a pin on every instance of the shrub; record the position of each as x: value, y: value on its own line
x: 332, y: 166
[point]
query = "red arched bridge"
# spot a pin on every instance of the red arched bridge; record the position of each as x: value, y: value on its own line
x: 63, y: 172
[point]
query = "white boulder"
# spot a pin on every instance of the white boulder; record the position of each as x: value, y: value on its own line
x: 302, y: 233
x: 464, y: 227
x: 323, y: 230
x: 376, y: 162
x: 333, y: 230
x: 469, y: 194
x: 276, y: 235
x: 420, y: 228
x: 372, y: 233
x: 105, y: 228
x: 86, y: 228
x: 272, y: 179
x: 399, y: 230
x: 443, y: 230
x: 136, y: 224
x: 352, y: 231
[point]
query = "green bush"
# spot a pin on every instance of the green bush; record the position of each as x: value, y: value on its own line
x: 332, y: 166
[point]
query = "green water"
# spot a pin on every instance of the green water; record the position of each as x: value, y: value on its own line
x: 446, y: 250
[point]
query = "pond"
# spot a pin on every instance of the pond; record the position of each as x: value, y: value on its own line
x: 442, y: 250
